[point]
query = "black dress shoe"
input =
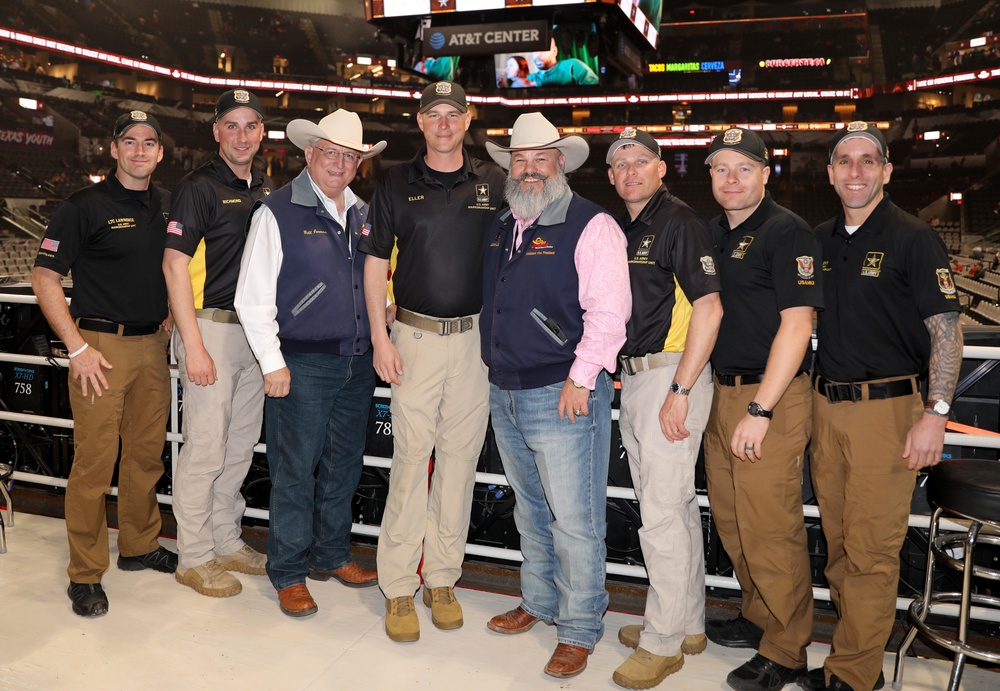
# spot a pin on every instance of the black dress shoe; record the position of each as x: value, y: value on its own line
x: 160, y: 559
x: 815, y: 680
x: 734, y: 633
x: 88, y: 599
x: 761, y: 674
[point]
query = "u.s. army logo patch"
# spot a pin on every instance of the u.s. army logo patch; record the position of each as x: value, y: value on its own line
x: 873, y: 264
x: 741, y: 248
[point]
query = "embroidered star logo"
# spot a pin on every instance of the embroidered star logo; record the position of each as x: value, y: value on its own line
x: 742, y: 246
x: 646, y: 243
x: 482, y: 190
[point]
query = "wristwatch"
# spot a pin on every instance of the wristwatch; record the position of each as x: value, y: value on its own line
x: 939, y: 408
x: 577, y: 386
x: 679, y: 390
x: 757, y: 410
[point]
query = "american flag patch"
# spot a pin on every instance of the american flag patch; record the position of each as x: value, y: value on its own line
x: 175, y: 228
x: 50, y: 245
x: 366, y: 228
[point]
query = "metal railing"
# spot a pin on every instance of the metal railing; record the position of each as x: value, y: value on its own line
x: 500, y: 553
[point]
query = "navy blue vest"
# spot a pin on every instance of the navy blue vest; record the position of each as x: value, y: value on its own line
x: 320, y: 292
x: 532, y: 320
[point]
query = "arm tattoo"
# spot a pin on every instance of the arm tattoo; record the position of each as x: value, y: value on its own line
x: 946, y: 355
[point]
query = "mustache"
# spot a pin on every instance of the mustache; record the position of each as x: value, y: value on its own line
x: 530, y: 176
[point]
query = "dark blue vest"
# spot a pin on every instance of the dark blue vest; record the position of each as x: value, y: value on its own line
x: 532, y: 320
x: 320, y: 292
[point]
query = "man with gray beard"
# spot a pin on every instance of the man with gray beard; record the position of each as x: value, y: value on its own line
x: 555, y: 301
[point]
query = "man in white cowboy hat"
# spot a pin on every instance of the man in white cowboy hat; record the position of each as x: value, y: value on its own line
x: 223, y: 388
x: 300, y: 301
x: 435, y: 210
x: 555, y: 301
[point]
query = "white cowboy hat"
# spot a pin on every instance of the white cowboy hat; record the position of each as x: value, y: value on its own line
x: 533, y: 131
x: 340, y: 127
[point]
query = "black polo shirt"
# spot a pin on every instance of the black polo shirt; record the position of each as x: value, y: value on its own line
x: 440, y: 234
x: 671, y: 264
x: 880, y: 284
x: 208, y: 222
x: 112, y: 240
x: 768, y: 263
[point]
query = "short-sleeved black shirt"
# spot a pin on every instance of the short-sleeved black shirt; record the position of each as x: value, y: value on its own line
x: 880, y: 284
x: 440, y: 234
x: 112, y: 240
x: 768, y: 263
x: 208, y: 222
x: 671, y: 263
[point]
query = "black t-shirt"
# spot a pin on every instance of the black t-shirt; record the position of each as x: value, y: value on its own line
x: 440, y: 234
x: 671, y: 263
x: 208, y: 222
x: 880, y: 284
x: 112, y: 240
x: 768, y: 263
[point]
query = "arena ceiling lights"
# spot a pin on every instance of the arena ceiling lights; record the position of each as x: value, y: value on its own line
x: 150, y: 68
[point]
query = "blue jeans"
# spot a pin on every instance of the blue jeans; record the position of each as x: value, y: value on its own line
x: 559, y: 473
x: 315, y: 448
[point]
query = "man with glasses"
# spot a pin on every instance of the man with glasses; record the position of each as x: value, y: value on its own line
x: 223, y: 389
x: 301, y: 302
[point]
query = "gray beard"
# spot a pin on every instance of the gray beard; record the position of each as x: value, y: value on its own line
x: 528, y: 205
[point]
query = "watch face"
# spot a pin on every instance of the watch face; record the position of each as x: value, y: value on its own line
x: 942, y: 408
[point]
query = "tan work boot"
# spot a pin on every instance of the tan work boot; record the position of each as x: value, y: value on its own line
x: 209, y: 579
x: 401, y: 623
x: 692, y: 645
x: 246, y: 560
x: 643, y: 670
x: 446, y: 613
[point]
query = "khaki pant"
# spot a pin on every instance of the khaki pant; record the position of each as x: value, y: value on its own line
x: 220, y: 425
x: 671, y: 533
x: 864, y: 491
x: 757, y: 508
x: 441, y: 406
x: 133, y: 410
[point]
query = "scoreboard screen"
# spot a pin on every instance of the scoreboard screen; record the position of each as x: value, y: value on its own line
x: 643, y: 14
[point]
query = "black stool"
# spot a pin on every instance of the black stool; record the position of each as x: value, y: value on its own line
x: 5, y: 472
x: 968, y: 489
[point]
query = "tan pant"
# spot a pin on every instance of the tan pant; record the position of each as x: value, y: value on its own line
x: 671, y: 533
x: 864, y: 491
x: 757, y: 508
x: 134, y: 409
x: 442, y: 406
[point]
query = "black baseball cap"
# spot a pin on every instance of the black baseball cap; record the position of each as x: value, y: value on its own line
x: 739, y: 139
x: 132, y: 118
x: 237, y: 98
x: 443, y: 92
x: 631, y: 135
x: 859, y: 129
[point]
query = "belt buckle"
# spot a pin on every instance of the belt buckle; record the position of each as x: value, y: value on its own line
x: 466, y: 324
x: 627, y: 367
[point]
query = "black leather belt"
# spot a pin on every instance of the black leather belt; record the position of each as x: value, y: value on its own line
x: 861, y: 391
x: 105, y: 327
x: 735, y: 379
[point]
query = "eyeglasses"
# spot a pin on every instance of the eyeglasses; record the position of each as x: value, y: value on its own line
x: 332, y: 155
